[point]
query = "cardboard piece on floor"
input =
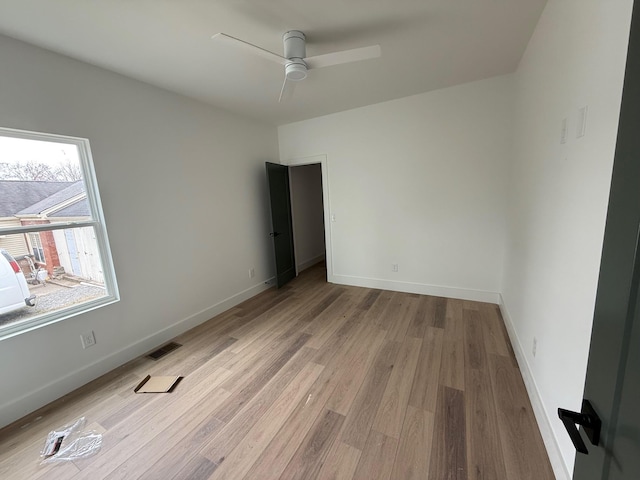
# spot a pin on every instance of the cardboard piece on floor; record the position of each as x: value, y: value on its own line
x: 157, y: 384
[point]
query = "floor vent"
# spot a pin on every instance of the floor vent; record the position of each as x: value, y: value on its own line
x: 162, y: 351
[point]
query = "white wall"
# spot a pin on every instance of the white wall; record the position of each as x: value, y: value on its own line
x: 558, y: 198
x: 420, y: 182
x: 184, y: 194
x: 307, y: 213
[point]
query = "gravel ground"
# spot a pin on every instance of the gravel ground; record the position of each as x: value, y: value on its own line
x: 52, y: 299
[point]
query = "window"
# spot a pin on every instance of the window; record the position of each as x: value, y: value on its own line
x: 51, y: 223
x: 36, y: 247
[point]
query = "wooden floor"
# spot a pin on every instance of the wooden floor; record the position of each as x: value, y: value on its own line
x: 312, y: 381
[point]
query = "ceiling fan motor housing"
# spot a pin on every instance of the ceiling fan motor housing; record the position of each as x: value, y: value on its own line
x: 295, y: 52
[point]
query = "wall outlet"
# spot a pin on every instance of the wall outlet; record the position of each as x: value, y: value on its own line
x: 394, y: 267
x: 88, y: 339
x: 534, y: 348
x: 252, y: 272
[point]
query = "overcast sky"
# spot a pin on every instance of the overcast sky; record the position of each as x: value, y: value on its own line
x: 19, y: 150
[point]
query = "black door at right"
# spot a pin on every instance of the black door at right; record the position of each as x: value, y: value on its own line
x: 613, y: 373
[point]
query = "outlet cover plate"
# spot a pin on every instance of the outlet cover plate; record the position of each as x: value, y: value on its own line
x: 88, y: 339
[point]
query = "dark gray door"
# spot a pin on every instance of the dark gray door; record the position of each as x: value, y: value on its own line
x: 613, y: 372
x: 281, y: 224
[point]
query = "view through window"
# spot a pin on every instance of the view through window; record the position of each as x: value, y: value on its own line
x: 55, y: 259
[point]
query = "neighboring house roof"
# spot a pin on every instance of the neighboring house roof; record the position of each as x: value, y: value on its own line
x: 72, y: 190
x: 18, y: 195
x: 78, y: 209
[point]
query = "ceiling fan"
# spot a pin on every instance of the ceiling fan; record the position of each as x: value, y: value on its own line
x: 295, y: 60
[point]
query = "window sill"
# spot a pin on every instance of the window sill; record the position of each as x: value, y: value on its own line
x: 47, y: 319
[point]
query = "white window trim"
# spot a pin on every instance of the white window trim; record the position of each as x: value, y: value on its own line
x: 97, y: 222
x: 35, y: 244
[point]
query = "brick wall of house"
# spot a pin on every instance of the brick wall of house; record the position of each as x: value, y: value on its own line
x: 50, y: 251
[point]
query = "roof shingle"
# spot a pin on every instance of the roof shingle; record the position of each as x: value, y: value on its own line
x: 16, y: 196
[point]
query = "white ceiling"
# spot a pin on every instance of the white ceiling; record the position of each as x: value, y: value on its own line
x: 426, y: 45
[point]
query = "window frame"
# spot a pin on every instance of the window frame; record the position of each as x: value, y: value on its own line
x: 35, y: 242
x: 97, y: 222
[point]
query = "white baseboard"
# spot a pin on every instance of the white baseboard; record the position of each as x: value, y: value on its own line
x: 419, y: 288
x: 309, y: 263
x: 18, y: 408
x: 560, y: 468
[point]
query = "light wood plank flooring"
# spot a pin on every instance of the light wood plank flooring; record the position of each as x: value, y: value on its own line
x: 312, y: 381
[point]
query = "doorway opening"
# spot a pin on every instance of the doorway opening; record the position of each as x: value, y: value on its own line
x: 300, y: 185
x: 307, y: 213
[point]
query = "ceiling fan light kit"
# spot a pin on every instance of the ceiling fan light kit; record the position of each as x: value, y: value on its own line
x: 295, y: 51
x: 295, y: 61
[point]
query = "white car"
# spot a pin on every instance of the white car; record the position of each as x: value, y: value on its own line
x: 14, y: 292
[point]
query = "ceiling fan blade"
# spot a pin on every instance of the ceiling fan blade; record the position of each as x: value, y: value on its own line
x: 236, y: 42
x: 287, y: 90
x: 346, y: 56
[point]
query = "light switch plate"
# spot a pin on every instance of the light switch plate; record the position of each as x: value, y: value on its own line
x: 581, y: 127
